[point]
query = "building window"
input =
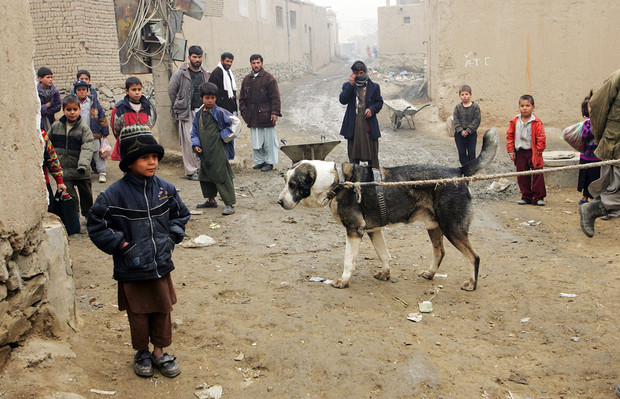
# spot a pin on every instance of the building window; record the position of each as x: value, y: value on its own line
x: 244, y: 10
x: 293, y: 19
x: 263, y: 9
x: 279, y: 21
x: 407, y: 20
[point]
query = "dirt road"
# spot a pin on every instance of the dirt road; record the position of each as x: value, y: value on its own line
x: 249, y: 320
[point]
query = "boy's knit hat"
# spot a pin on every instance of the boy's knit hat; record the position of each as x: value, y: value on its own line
x: 80, y: 83
x: 135, y: 141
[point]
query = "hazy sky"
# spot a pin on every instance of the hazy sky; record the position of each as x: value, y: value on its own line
x: 354, y: 17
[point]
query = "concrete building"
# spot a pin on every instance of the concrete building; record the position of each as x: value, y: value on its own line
x: 554, y: 51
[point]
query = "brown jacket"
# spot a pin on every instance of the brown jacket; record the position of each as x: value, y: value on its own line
x: 259, y: 99
x: 605, y: 118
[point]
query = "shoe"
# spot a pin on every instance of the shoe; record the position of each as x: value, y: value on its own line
x: 618, y: 391
x: 582, y: 202
x: 102, y: 177
x: 228, y: 210
x: 259, y: 166
x: 207, y: 204
x: 540, y: 203
x: 589, y: 212
x: 194, y: 177
x: 267, y: 167
x: 522, y: 202
x: 166, y: 365
x: 143, y: 363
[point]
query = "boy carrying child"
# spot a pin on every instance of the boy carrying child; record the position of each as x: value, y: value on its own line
x: 138, y: 220
x: 73, y: 142
x: 525, y: 142
x: 93, y: 115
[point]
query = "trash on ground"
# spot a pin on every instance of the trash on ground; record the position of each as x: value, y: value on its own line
x: 328, y: 281
x: 195, y: 212
x: 531, y: 223
x: 440, y: 275
x: 197, y: 242
x: 499, y: 186
x: 565, y: 295
x: 414, y: 317
x: 239, y: 357
x: 425, y: 307
x: 518, y: 378
x: 271, y: 245
x: 525, y: 319
x: 316, y: 279
x: 100, y: 392
x: 214, y: 226
x: 575, y: 339
x: 214, y: 392
x: 567, y: 212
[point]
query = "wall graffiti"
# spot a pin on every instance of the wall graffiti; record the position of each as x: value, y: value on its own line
x: 473, y: 61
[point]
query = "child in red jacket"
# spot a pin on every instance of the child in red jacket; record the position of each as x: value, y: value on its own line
x: 525, y: 142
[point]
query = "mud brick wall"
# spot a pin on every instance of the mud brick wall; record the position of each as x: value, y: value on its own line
x: 76, y: 35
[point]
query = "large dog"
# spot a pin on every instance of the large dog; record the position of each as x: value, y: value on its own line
x: 445, y: 208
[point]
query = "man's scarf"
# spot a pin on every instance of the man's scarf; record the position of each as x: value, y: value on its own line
x: 229, y: 83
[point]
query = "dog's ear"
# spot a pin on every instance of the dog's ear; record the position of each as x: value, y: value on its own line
x: 305, y: 174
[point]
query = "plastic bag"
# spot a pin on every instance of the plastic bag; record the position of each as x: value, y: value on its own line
x: 65, y: 207
x: 573, y: 136
x: 235, y: 128
x: 105, y: 149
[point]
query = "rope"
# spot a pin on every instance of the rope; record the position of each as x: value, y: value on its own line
x: 455, y: 180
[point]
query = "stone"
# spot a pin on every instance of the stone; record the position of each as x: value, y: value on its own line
x: 106, y: 92
x: 4, y: 272
x: 14, y: 282
x: 5, y: 352
x: 3, y: 291
x: 17, y: 324
x: 30, y: 266
x: 32, y: 291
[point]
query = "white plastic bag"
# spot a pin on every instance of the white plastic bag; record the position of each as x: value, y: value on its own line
x: 235, y: 128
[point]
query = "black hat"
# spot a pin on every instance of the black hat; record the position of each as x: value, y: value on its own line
x: 135, y: 141
x: 80, y: 83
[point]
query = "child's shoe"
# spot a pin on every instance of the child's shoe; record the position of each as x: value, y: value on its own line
x: 166, y: 365
x: 102, y: 177
x: 143, y: 363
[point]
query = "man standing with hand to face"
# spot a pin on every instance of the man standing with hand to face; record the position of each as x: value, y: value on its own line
x: 259, y: 104
x: 360, y: 126
x: 223, y: 78
x: 184, y: 94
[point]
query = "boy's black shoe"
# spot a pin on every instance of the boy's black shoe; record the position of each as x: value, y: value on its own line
x: 166, y: 365
x: 267, y: 167
x: 143, y: 363
x: 259, y: 166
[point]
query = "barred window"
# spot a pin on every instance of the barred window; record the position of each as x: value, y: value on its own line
x: 293, y: 19
x: 279, y: 21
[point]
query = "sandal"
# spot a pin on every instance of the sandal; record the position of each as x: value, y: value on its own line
x: 166, y: 365
x: 143, y: 363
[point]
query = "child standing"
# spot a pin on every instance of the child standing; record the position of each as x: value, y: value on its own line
x: 134, y: 109
x: 73, y: 142
x: 138, y: 220
x: 93, y: 115
x: 525, y: 142
x: 587, y: 176
x: 84, y: 75
x: 466, y: 121
x: 49, y: 96
x: 211, y: 124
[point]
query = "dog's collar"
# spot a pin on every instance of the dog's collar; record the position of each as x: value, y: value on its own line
x: 338, y: 185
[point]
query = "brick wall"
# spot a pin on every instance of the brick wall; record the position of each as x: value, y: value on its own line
x: 76, y: 35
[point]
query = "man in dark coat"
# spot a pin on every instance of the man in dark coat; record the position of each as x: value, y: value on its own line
x: 259, y: 104
x: 360, y: 126
x: 223, y: 78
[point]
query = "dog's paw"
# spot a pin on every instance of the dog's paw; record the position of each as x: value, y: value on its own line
x: 340, y: 284
x: 468, y: 286
x: 382, y: 275
x: 427, y: 274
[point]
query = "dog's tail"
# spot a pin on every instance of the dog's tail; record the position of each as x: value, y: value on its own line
x: 489, y: 148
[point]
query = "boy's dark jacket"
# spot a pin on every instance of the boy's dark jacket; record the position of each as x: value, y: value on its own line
x: 146, y: 213
x: 53, y: 98
x: 374, y: 102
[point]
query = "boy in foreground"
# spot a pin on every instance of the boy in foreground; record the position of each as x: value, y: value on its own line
x: 138, y: 220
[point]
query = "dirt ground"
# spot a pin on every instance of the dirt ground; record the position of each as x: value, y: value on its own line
x: 249, y: 320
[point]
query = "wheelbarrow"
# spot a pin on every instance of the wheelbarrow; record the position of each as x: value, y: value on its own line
x: 317, y: 151
x: 400, y: 109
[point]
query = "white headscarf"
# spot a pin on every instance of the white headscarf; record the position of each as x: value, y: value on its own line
x: 229, y: 83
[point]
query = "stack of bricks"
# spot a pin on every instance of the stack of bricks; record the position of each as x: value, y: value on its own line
x: 76, y: 35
